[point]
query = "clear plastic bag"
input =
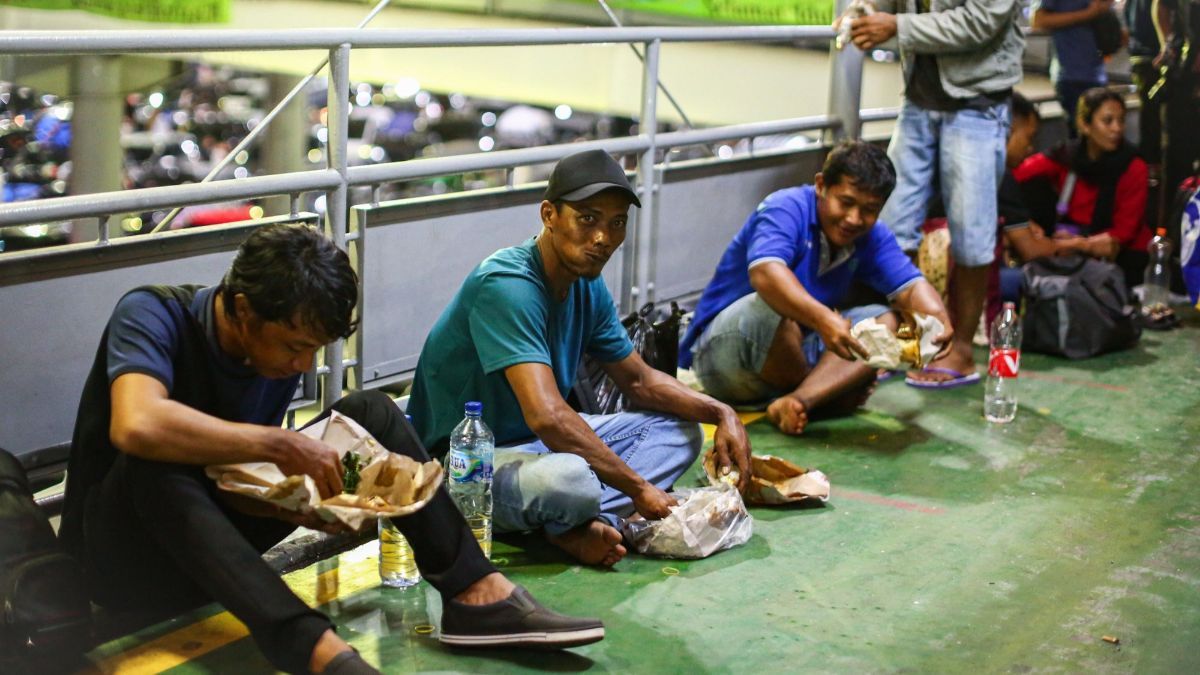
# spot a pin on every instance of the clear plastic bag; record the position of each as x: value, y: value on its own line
x: 706, y: 520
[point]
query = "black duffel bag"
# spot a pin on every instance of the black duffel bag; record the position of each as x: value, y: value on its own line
x: 46, y: 620
x: 1077, y: 307
x: 655, y: 339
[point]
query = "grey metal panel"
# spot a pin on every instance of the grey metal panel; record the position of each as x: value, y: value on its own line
x: 416, y: 255
x: 703, y: 204
x: 55, y: 305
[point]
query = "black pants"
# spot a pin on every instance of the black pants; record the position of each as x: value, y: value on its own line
x: 1145, y: 75
x: 158, y: 538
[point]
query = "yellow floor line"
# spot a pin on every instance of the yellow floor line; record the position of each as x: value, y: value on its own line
x: 177, y: 647
x: 202, y: 637
x: 746, y: 417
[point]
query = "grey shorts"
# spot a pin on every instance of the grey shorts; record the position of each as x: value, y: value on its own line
x: 729, y: 355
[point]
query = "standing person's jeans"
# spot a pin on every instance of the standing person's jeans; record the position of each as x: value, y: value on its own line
x: 158, y: 537
x: 963, y: 152
x: 534, y: 487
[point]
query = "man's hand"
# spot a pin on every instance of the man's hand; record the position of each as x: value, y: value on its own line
x: 732, y: 448
x: 298, y: 454
x: 946, y: 339
x: 653, y: 503
x: 835, y: 331
x: 1099, y: 7
x: 870, y: 31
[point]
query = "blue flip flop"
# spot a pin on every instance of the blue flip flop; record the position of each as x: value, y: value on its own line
x: 957, y: 379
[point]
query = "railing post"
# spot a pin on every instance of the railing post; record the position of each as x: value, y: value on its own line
x: 639, y: 289
x: 845, y: 84
x: 337, y: 122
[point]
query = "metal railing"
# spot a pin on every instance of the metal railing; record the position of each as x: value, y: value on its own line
x: 636, y: 278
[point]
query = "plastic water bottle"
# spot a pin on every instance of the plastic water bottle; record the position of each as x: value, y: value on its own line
x: 397, y: 566
x: 1157, y: 287
x: 469, y: 478
x: 1004, y: 362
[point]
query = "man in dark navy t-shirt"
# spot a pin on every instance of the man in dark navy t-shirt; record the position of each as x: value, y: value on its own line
x: 766, y: 331
x: 187, y: 377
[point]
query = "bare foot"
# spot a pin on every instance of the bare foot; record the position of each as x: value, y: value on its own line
x: 596, y: 543
x: 789, y: 414
x: 958, y: 360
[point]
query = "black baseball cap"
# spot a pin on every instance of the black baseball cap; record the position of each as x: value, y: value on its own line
x: 579, y: 176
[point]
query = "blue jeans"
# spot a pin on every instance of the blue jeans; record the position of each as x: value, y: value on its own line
x: 961, y: 151
x: 732, y: 350
x: 533, y: 487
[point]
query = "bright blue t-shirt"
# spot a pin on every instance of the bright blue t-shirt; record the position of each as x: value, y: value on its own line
x: 502, y: 316
x: 144, y: 337
x: 1076, y: 56
x: 784, y: 227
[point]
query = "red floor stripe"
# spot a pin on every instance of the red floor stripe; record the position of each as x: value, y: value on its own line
x: 1079, y: 383
x: 887, y: 501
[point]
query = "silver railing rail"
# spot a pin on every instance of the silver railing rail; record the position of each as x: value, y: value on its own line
x: 843, y: 119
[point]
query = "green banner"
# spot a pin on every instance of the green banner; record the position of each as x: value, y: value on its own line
x: 167, y: 11
x: 754, y: 12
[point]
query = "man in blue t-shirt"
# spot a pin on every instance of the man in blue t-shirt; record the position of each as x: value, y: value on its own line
x: 512, y: 338
x: 765, y: 330
x: 187, y: 377
x: 1077, y: 64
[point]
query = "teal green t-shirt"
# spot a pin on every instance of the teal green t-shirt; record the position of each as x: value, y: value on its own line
x: 502, y: 316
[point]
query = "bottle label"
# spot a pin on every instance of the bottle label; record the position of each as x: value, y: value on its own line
x: 464, y: 468
x: 1004, y: 362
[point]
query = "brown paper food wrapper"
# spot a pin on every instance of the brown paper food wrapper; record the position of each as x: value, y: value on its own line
x: 389, y: 484
x: 775, y: 481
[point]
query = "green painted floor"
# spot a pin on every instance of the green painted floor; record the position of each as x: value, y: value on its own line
x: 947, y: 545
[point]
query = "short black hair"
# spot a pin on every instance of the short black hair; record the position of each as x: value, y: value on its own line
x: 288, y: 271
x: 1023, y: 108
x: 1091, y: 100
x: 865, y: 164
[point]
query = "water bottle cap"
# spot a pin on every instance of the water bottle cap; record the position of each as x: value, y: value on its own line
x: 1162, y: 232
x: 1010, y: 305
x: 473, y: 408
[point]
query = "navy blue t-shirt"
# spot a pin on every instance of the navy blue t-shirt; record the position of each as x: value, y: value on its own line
x: 144, y: 337
x: 1076, y: 56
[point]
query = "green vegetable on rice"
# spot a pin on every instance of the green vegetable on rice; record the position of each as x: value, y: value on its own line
x: 351, y: 463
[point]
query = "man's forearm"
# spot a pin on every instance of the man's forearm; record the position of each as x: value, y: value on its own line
x: 569, y: 433
x: 779, y: 288
x: 1046, y: 20
x: 921, y: 297
x: 660, y: 392
x: 168, y: 431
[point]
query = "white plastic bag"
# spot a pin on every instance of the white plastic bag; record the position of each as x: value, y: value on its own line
x: 706, y: 520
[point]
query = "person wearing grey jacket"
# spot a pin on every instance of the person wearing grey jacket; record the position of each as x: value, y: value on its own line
x: 961, y: 60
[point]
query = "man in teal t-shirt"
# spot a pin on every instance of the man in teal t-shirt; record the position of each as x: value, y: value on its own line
x: 512, y: 338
